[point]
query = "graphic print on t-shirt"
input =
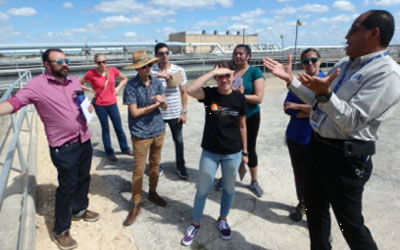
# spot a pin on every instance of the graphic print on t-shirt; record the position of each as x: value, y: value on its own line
x: 223, y: 111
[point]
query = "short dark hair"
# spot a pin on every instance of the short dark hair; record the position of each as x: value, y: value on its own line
x: 160, y: 46
x: 309, y: 50
x: 382, y: 20
x: 224, y: 64
x: 45, y: 55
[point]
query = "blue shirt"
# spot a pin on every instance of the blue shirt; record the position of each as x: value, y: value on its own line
x: 298, y: 129
x: 135, y: 92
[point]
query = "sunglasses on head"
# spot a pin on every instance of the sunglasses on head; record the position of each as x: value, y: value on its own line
x: 307, y: 61
x: 60, y: 61
x: 101, y: 62
x: 147, y: 65
x: 161, y: 53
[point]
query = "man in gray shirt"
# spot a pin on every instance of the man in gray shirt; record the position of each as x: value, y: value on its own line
x: 348, y: 107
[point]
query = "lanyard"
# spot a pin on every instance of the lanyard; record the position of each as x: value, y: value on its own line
x: 340, y: 82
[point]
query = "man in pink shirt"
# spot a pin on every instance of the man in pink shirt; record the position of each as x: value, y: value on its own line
x: 54, y: 95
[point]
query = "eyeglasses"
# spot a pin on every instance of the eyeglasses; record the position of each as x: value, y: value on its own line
x: 101, y: 62
x: 307, y: 61
x: 60, y: 61
x: 162, y: 53
x: 147, y: 65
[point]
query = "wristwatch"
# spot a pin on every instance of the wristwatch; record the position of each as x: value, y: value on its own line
x: 324, y: 97
x: 184, y: 111
x: 245, y: 153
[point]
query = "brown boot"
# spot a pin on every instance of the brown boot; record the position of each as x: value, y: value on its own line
x: 65, y: 241
x: 132, y: 215
x: 156, y: 199
x: 298, y: 213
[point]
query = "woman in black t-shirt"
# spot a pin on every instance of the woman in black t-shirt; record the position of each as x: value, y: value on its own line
x: 224, y: 132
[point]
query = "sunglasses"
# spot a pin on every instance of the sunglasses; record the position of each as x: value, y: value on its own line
x: 147, y: 65
x: 60, y: 61
x: 101, y: 62
x: 307, y: 61
x: 355, y: 28
x: 224, y: 76
x: 162, y: 53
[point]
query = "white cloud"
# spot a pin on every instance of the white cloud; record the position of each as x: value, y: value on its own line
x: 336, y: 19
x: 314, y: 8
x: 67, y: 5
x: 283, y: 1
x: 344, y: 5
x: 7, y: 33
x: 130, y: 34
x: 142, y: 18
x: 3, y: 17
x: 287, y: 10
x: 166, y: 30
x: 24, y: 11
x: 249, y: 15
x: 240, y: 27
x: 191, y: 4
x: 120, y: 6
x: 217, y: 22
x: 386, y: 2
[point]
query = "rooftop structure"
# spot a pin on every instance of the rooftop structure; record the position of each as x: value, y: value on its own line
x: 227, y: 40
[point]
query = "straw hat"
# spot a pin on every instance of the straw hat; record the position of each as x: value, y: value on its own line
x: 140, y: 59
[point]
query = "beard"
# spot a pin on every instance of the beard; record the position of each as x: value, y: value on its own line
x: 61, y: 72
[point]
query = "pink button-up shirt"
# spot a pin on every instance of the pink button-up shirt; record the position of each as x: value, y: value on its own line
x: 57, y: 108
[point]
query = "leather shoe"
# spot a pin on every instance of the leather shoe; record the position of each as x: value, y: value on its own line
x: 88, y: 216
x: 298, y: 213
x: 128, y: 152
x: 65, y: 241
x: 132, y: 215
x: 112, y: 158
x: 156, y: 199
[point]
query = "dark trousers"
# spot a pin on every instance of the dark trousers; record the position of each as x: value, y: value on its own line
x: 300, y: 158
x: 72, y: 161
x: 176, y: 130
x: 252, y: 126
x: 332, y: 180
x: 103, y: 112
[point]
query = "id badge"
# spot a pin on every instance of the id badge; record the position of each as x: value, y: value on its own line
x: 317, y: 118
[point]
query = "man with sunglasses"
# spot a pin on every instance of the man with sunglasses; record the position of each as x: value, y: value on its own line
x: 54, y: 95
x: 144, y: 96
x: 176, y: 96
x: 348, y: 107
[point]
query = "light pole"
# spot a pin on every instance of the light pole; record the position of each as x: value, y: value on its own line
x: 298, y: 23
x: 243, y: 35
x: 281, y: 43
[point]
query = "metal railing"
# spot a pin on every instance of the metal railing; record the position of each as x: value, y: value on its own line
x: 24, y: 158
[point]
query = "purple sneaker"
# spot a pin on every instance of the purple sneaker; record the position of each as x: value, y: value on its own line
x: 225, y: 231
x: 190, y: 234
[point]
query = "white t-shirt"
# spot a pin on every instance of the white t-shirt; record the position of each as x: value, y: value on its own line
x: 172, y: 94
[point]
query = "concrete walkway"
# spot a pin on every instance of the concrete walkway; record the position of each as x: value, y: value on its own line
x: 257, y: 223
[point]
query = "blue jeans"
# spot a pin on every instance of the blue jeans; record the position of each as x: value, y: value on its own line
x: 102, y: 113
x: 208, y: 167
x: 176, y: 130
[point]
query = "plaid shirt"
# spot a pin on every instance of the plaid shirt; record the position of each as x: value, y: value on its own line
x: 151, y: 124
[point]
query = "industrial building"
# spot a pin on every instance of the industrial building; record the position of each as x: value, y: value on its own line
x: 227, y: 40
